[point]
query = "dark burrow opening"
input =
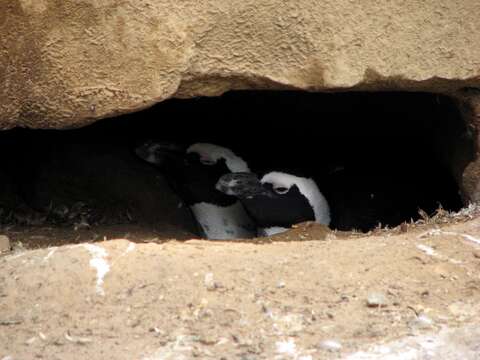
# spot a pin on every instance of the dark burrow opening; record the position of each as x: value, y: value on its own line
x: 378, y: 158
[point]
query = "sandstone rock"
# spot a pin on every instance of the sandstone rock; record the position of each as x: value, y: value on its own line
x: 65, y: 64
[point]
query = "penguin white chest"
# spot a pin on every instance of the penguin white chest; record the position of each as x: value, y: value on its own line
x: 224, y: 222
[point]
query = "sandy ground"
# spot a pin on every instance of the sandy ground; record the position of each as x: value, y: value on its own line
x: 408, y: 293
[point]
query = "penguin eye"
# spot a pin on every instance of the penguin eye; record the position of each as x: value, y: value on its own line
x: 280, y: 190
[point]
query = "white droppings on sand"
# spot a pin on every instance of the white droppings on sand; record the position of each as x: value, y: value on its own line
x: 222, y: 341
x: 444, y: 344
x: 130, y: 248
x: 433, y: 232
x: 331, y: 345
x: 428, y: 250
x: 433, y: 253
x: 77, y: 339
x: 438, y: 232
x: 99, y: 263
x: 50, y: 253
x: 287, y: 347
x: 16, y: 256
x: 469, y: 238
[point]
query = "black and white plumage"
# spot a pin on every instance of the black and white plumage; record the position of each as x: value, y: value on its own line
x: 278, y: 200
x: 193, y: 172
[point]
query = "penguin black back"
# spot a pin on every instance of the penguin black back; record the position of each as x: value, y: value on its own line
x: 279, y: 209
x: 278, y: 200
x: 193, y: 173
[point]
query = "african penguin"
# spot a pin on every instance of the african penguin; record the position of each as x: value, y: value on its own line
x: 278, y: 200
x: 193, y: 172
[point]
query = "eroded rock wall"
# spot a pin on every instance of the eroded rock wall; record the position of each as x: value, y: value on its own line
x: 66, y: 63
x: 465, y: 157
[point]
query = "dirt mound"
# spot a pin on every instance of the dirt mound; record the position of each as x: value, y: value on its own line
x: 328, y: 298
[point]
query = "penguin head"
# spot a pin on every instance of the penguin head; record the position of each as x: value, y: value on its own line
x: 159, y: 152
x: 277, y: 200
x: 212, y: 155
x: 194, y: 170
x: 200, y: 170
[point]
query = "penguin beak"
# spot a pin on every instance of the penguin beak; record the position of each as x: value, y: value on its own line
x: 243, y: 186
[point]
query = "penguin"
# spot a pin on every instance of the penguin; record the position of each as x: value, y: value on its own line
x: 278, y: 200
x: 193, y: 172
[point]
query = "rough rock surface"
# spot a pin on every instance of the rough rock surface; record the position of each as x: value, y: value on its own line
x: 466, y: 161
x: 67, y: 63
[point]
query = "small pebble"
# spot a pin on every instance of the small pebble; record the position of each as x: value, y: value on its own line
x: 422, y: 322
x: 4, y: 243
x: 31, y: 340
x: 330, y: 345
x: 204, y: 302
x: 330, y: 315
x: 476, y: 254
x: 376, y: 300
x: 281, y: 285
x: 209, y: 282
